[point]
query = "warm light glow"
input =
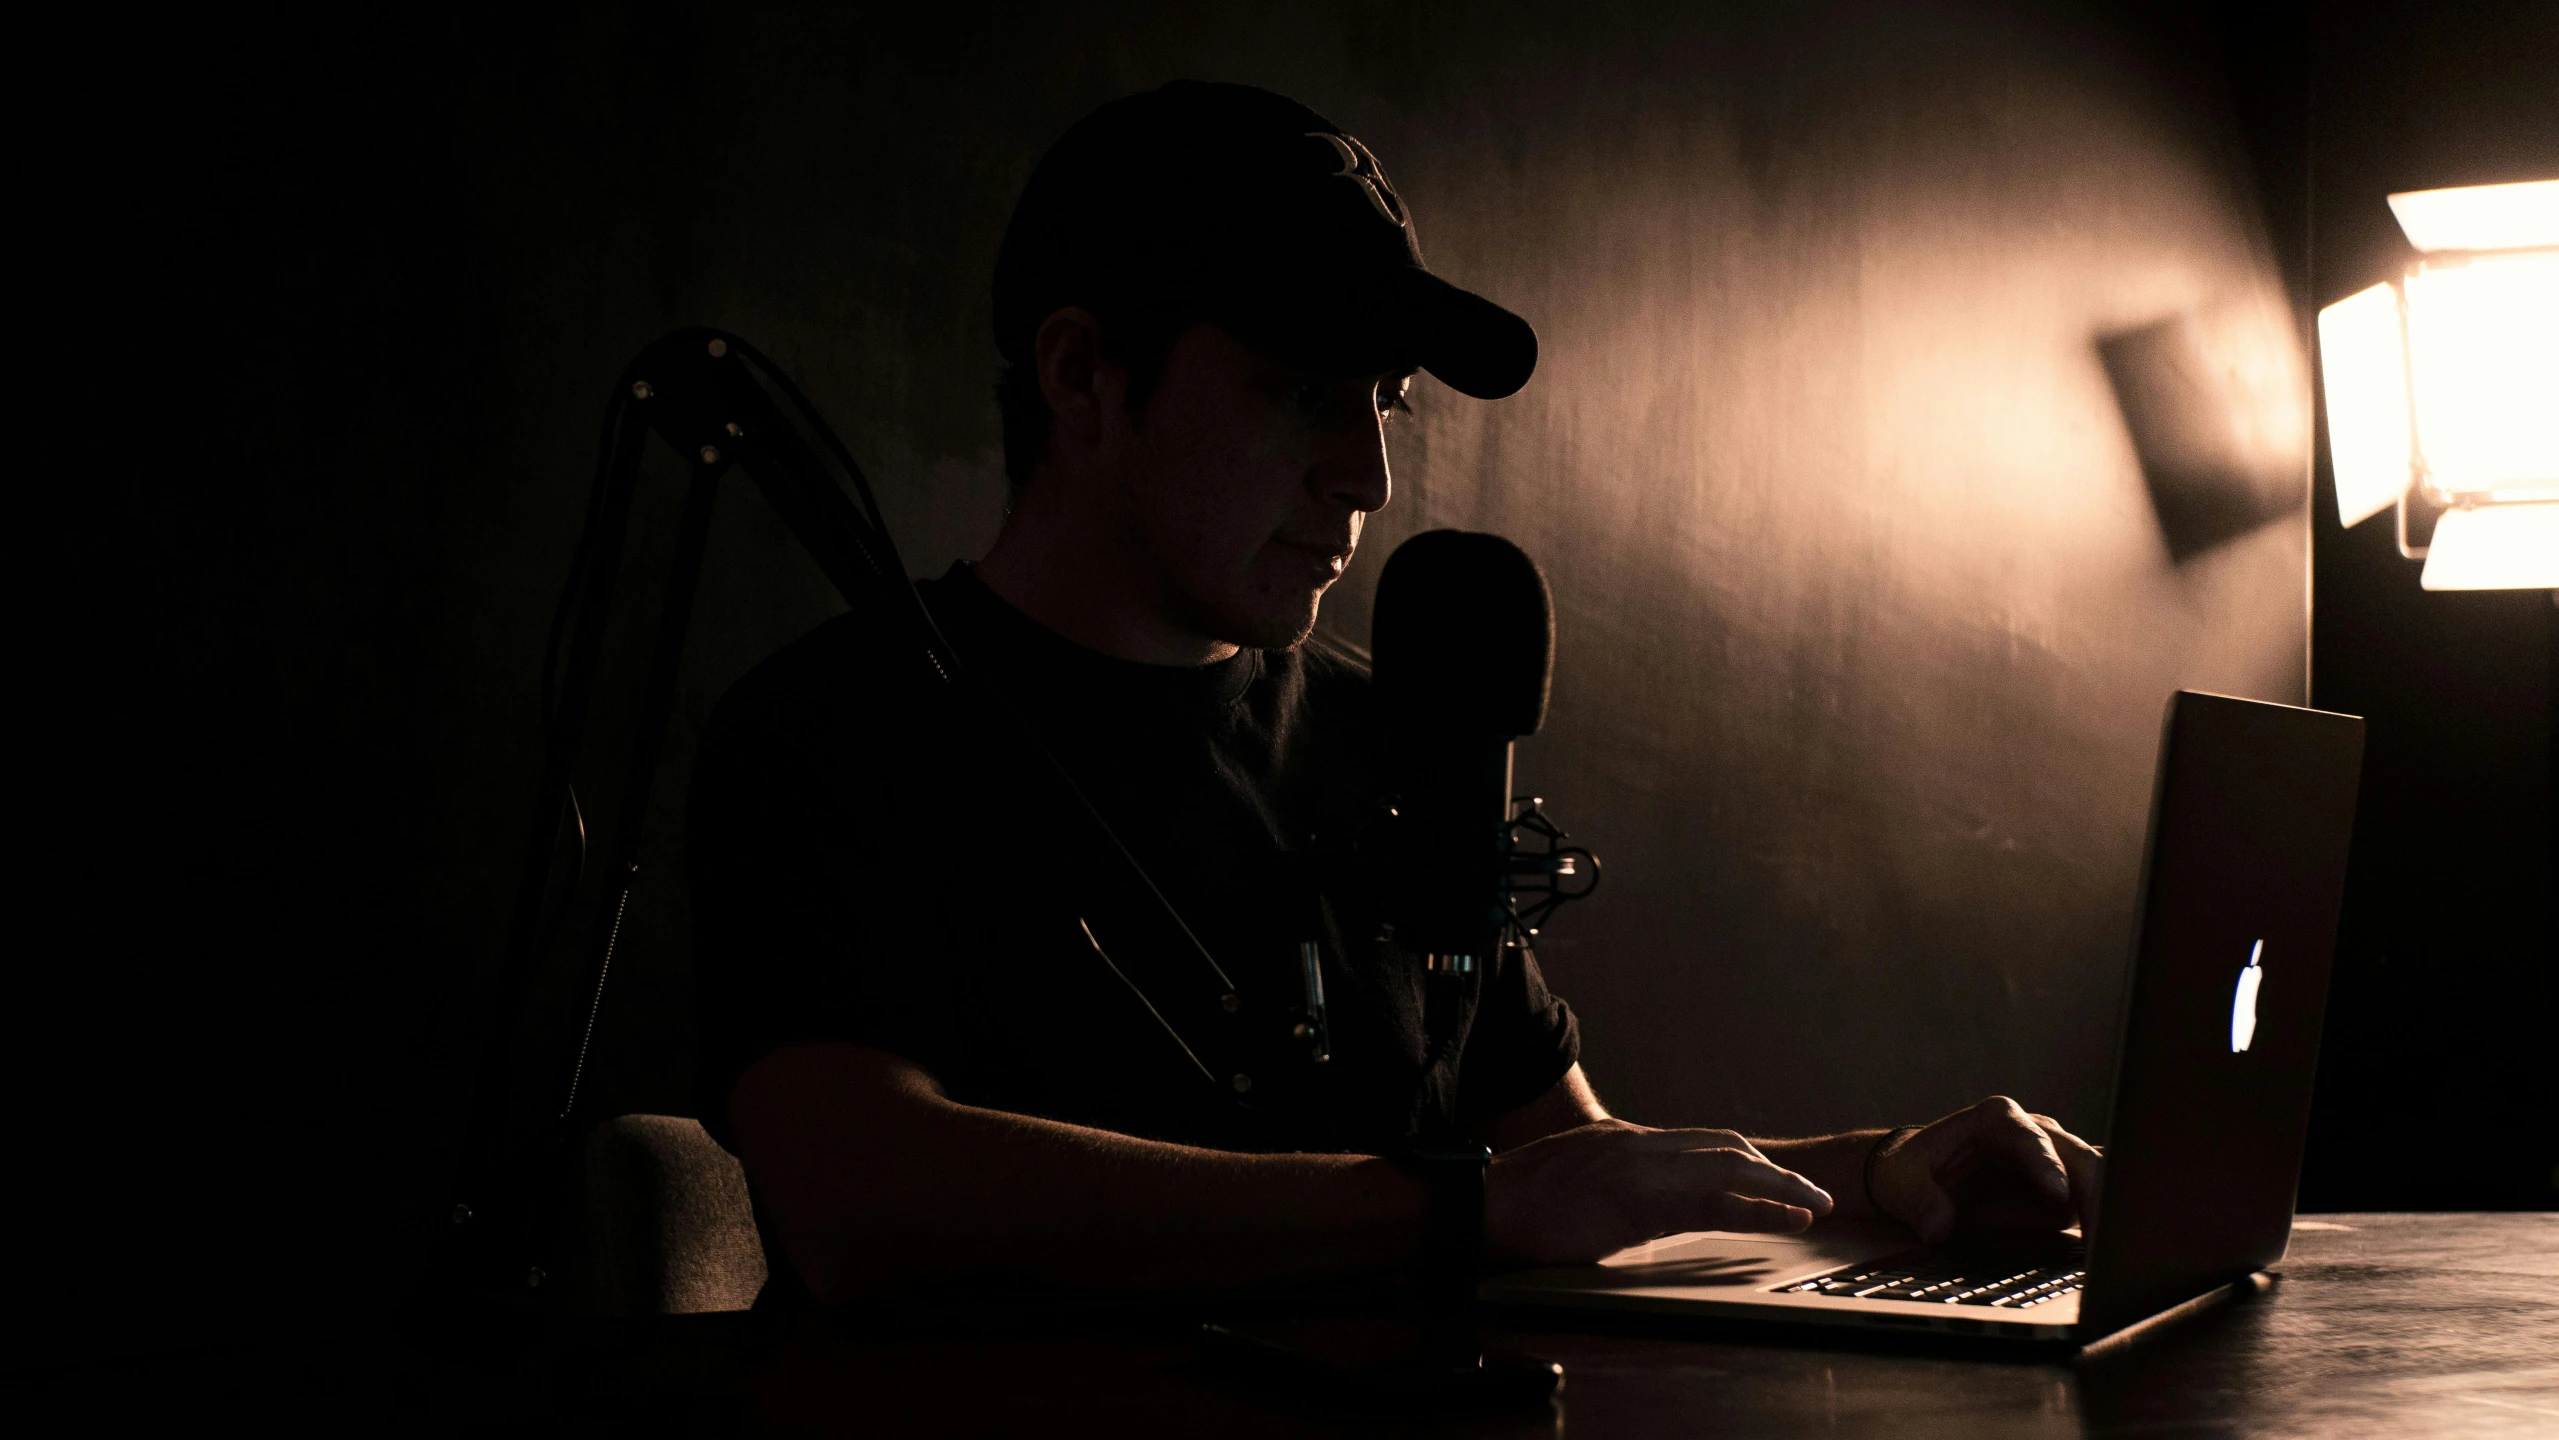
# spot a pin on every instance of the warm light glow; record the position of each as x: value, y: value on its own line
x: 2364, y: 372
x: 2483, y: 357
x: 2453, y: 377
x: 2480, y: 217
x: 2495, y: 547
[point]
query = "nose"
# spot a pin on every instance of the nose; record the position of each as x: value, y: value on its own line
x: 1355, y: 475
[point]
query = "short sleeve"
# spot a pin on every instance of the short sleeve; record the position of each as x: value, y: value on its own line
x: 1523, y: 1041
x: 804, y: 928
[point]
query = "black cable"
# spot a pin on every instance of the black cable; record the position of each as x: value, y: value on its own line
x: 826, y: 435
x: 607, y: 452
x: 553, y: 742
x: 550, y: 931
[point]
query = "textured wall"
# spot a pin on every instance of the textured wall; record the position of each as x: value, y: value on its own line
x: 1866, y: 614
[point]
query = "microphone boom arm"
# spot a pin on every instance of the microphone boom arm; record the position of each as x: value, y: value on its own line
x: 719, y: 403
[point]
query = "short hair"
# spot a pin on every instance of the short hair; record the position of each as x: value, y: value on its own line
x: 1138, y: 340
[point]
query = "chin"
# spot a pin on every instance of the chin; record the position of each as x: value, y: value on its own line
x: 1273, y: 633
x: 1271, y: 622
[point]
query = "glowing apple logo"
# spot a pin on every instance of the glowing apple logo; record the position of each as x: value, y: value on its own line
x: 2243, y: 1002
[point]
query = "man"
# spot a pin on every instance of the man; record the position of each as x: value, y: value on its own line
x: 940, y: 1047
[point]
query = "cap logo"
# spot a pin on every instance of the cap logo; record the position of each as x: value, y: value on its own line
x: 1361, y: 168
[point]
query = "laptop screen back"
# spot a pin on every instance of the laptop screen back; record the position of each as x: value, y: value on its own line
x: 2248, y: 840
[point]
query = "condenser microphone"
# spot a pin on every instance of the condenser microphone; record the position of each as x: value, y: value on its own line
x: 1463, y: 641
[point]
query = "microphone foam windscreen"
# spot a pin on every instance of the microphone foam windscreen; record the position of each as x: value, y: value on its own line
x: 1463, y: 635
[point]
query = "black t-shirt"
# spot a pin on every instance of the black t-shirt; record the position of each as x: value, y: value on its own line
x: 878, y: 857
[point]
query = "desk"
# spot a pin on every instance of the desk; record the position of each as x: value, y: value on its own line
x: 2381, y: 1325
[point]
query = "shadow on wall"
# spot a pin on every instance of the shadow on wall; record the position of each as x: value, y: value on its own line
x: 2214, y: 402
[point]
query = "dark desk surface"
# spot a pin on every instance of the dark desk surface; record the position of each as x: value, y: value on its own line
x: 2382, y: 1325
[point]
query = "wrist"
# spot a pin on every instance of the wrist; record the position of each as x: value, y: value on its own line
x: 1452, y: 1175
x: 1883, y: 1144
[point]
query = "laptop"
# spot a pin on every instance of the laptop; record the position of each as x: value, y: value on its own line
x: 2219, y: 1042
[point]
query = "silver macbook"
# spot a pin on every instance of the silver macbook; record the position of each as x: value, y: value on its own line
x: 2218, y: 1045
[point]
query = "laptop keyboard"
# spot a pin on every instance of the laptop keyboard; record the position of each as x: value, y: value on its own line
x: 1950, y: 1281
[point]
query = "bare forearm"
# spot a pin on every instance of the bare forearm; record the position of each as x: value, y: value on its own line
x: 875, y: 1180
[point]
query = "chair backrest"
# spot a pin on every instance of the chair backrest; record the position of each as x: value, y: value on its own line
x: 668, y: 1228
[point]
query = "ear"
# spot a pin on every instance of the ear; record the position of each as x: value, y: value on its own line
x: 1085, y: 391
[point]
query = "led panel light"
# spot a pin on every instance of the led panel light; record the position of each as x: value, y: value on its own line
x: 2483, y: 367
x: 2495, y: 547
x: 2480, y: 217
x: 2364, y: 373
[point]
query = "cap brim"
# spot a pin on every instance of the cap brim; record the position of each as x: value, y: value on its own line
x: 1472, y: 345
x: 1404, y: 318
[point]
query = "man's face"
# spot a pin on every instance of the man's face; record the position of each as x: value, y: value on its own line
x: 1249, y: 483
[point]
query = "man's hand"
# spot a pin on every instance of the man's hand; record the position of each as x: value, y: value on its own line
x: 1988, y: 1167
x: 1598, y: 1188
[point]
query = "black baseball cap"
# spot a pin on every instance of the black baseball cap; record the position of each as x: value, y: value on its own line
x: 1231, y: 204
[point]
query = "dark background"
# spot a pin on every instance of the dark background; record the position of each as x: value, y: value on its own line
x: 1867, y: 607
x: 2449, y: 911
